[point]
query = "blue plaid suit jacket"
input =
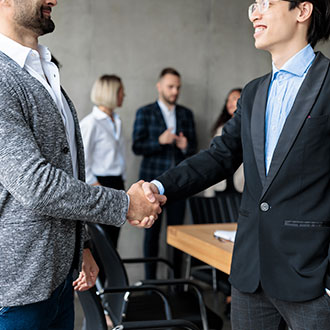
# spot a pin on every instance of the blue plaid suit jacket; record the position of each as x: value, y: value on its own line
x: 149, y: 125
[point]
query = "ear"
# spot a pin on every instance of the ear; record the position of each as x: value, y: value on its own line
x: 305, y: 11
x: 158, y: 86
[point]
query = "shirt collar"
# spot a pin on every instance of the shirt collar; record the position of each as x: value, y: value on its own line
x: 99, y: 114
x: 298, y: 64
x: 163, y: 107
x: 14, y: 50
x: 20, y: 53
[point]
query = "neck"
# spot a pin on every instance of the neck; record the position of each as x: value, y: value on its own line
x: 168, y: 105
x: 20, y: 35
x: 106, y: 110
x: 281, y: 56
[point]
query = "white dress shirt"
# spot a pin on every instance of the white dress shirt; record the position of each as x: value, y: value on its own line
x: 38, y: 64
x: 168, y: 115
x: 104, y: 145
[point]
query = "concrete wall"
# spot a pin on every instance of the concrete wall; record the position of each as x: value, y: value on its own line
x: 210, y: 42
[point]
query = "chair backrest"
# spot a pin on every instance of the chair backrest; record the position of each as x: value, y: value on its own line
x: 204, y: 210
x: 114, y: 269
x: 230, y: 202
x: 221, y: 208
x: 93, y: 310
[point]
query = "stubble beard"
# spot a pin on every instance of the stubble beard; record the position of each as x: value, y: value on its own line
x: 35, y: 22
x: 169, y: 101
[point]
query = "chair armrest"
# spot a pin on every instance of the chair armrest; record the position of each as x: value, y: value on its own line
x: 149, y: 259
x: 158, y: 324
x: 130, y: 289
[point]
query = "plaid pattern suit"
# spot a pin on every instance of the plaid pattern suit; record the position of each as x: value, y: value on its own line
x: 149, y: 125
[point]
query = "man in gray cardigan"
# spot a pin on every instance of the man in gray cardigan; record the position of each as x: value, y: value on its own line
x: 44, y: 201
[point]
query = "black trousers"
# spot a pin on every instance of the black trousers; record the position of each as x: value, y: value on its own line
x: 175, y: 215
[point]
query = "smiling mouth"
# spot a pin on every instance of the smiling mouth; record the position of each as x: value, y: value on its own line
x: 258, y: 29
x: 46, y: 11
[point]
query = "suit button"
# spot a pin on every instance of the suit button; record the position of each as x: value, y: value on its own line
x: 264, y: 207
x: 65, y: 150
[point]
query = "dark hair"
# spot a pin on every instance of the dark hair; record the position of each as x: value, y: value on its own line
x: 319, y: 28
x: 169, y: 71
x: 224, y: 115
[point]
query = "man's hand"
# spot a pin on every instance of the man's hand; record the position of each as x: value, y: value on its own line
x: 141, y: 212
x: 181, y: 141
x: 87, y: 276
x: 167, y: 137
x: 150, y: 191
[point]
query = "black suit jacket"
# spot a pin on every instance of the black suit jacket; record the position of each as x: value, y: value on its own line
x: 283, y: 233
x: 148, y: 126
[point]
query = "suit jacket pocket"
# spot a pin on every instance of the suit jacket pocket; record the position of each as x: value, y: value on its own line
x: 298, y: 223
x: 305, y: 245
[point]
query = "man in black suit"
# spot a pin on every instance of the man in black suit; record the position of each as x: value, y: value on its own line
x: 280, y: 271
x: 164, y: 134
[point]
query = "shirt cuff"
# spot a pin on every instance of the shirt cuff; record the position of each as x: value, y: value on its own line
x: 128, y: 200
x: 159, y: 186
x: 327, y: 291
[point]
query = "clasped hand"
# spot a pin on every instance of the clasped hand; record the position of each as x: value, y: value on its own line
x: 143, y: 211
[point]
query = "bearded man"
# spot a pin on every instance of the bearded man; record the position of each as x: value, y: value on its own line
x: 164, y: 134
x: 43, y: 199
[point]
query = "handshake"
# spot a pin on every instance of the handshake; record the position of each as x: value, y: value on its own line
x: 145, y: 204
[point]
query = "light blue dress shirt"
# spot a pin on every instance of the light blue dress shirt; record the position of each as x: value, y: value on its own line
x: 282, y: 93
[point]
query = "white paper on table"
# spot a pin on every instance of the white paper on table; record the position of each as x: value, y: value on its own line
x: 228, y: 235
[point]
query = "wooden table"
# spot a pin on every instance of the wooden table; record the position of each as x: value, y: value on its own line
x: 199, y: 242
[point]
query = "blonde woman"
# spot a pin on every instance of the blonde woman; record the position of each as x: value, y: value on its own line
x: 103, y: 139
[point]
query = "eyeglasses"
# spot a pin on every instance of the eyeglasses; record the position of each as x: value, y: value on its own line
x: 262, y: 6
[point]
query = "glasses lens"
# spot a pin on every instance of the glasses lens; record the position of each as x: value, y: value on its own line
x: 251, y: 10
x: 264, y: 4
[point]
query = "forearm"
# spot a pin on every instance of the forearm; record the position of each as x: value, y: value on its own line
x: 207, y: 167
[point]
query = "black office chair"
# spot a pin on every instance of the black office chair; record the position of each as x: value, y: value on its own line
x: 95, y: 319
x: 151, y: 303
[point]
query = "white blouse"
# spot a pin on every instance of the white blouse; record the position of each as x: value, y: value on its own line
x: 104, y: 145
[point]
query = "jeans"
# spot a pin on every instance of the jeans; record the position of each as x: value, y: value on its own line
x: 57, y: 312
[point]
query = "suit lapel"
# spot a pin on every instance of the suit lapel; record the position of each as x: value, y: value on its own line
x: 178, y: 120
x: 302, y: 106
x: 258, y: 126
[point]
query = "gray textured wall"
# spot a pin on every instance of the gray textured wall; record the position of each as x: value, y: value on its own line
x: 209, y: 41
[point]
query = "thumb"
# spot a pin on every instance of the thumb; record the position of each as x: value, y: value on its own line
x: 148, y: 191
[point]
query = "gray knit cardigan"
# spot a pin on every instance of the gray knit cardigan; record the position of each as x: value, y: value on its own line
x: 41, y: 205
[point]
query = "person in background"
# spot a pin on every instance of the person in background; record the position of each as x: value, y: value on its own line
x: 164, y: 134
x: 103, y: 139
x: 236, y: 182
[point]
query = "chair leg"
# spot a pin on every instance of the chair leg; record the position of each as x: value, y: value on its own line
x: 187, y: 270
x: 214, y: 280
